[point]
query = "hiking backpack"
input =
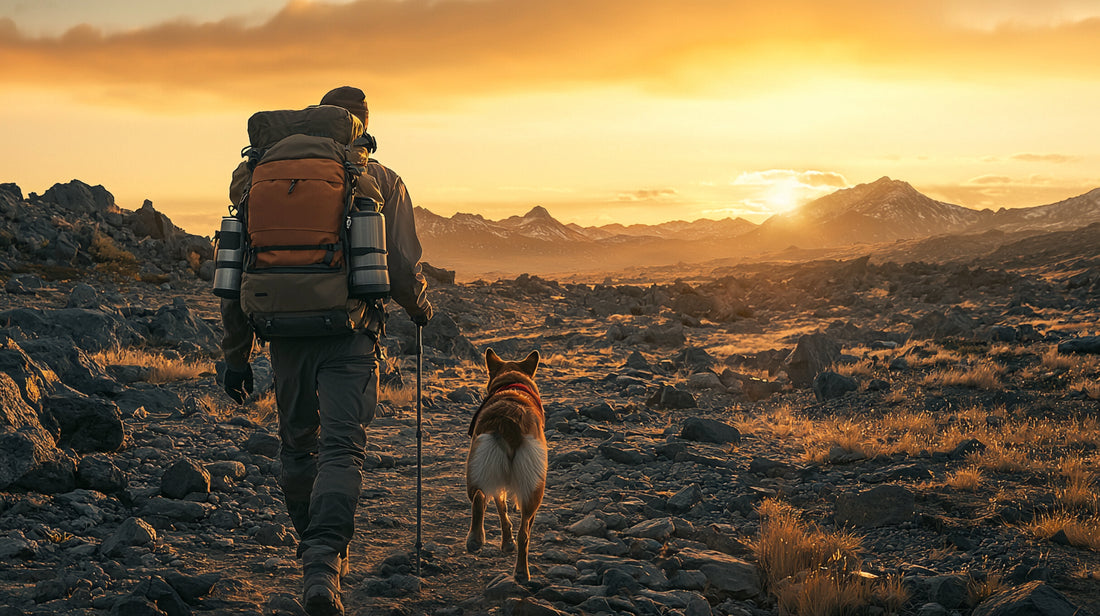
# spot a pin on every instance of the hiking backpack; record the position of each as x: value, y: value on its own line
x: 297, y: 213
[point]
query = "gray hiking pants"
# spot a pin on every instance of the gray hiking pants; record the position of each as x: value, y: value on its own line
x: 326, y: 390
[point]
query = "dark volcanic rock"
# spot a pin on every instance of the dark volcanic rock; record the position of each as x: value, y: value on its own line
x: 1085, y: 344
x: 87, y: 424
x: 709, y: 431
x: 813, y: 354
x: 72, y: 365
x: 78, y: 197
x: 33, y: 380
x: 829, y: 385
x: 1031, y: 599
x: 133, y: 531
x: 25, y: 446
x: 184, y: 477
x: 884, y: 505
x: 91, y: 330
x: 98, y: 472
x: 147, y: 222
x: 670, y: 398
x: 175, y: 324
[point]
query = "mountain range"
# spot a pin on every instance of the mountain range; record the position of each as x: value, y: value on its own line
x: 883, y: 211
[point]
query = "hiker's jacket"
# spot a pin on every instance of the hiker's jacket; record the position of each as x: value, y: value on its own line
x: 407, y: 284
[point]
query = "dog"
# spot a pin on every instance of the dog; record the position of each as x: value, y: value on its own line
x: 507, y: 455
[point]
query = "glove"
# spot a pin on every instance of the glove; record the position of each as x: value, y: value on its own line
x: 238, y: 383
x: 422, y: 319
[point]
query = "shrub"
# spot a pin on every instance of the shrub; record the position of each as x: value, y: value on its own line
x: 160, y: 369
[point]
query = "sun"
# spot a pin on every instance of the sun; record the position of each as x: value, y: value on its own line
x: 782, y: 195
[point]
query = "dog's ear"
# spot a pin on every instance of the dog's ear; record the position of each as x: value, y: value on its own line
x: 492, y: 361
x: 530, y: 363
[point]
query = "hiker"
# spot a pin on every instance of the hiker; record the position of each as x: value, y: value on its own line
x: 326, y: 387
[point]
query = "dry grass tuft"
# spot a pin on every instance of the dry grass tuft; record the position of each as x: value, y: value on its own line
x: 862, y: 368
x: 967, y: 479
x: 1079, y: 491
x: 160, y: 369
x: 1000, y: 459
x: 1081, y: 532
x: 814, y: 573
x: 263, y: 409
x: 985, y: 376
x: 259, y: 409
x: 978, y: 591
x: 400, y: 396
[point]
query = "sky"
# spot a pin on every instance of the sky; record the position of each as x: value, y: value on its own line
x: 602, y: 111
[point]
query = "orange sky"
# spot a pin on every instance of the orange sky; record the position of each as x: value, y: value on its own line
x: 601, y: 111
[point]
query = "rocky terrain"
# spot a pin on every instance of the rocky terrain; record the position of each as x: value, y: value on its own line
x: 933, y: 424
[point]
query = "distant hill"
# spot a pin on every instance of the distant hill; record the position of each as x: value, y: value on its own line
x: 885, y: 210
x: 876, y: 214
x: 1072, y: 213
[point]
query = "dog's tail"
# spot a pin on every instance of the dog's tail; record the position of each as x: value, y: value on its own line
x: 508, y: 461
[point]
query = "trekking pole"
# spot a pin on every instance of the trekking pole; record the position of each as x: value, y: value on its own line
x: 419, y: 438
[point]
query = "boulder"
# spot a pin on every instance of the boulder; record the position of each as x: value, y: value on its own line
x: 91, y: 330
x: 148, y: 222
x: 813, y: 354
x: 694, y: 359
x: 709, y: 431
x: 666, y: 335
x: 955, y: 323
x: 79, y: 198
x: 86, y: 423
x: 668, y: 397
x: 1032, y: 599
x: 637, y: 361
x: 684, y: 499
x: 132, y: 532
x: 884, y: 505
x: 1084, y: 344
x: 175, y: 324
x: 950, y: 591
x: 728, y: 577
x: 829, y: 385
x: 183, y: 478
x: 26, y: 448
x: 98, y: 472
x: 34, y: 381
x: 72, y: 365
x: 83, y: 295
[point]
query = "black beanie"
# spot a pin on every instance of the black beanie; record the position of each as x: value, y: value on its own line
x: 349, y: 98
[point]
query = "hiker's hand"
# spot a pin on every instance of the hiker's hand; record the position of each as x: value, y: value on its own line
x: 422, y: 318
x: 238, y: 383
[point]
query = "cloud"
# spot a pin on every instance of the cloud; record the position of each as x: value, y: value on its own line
x: 990, y: 180
x: 997, y: 191
x: 807, y: 179
x: 430, y: 53
x: 650, y: 194
x: 1045, y: 158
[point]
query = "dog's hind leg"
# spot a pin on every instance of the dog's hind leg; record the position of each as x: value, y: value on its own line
x: 528, y: 507
x: 507, y: 544
x: 476, y: 538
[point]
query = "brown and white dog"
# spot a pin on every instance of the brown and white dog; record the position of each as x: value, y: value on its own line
x: 507, y: 455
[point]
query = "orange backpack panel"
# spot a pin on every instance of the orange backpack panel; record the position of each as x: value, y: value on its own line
x: 304, y: 206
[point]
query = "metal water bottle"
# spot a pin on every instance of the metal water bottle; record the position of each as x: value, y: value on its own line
x: 229, y: 258
x: 369, y: 276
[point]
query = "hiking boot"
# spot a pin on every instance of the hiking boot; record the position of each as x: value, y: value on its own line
x: 322, y: 596
x: 322, y: 570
